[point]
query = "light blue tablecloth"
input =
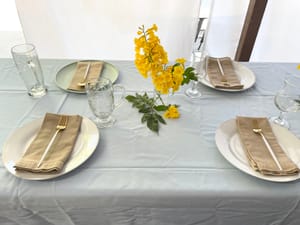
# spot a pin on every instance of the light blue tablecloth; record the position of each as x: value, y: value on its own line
x: 138, y: 177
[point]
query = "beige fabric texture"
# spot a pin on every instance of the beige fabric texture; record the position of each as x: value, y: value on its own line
x: 229, y: 80
x: 93, y: 73
x: 256, y: 150
x: 60, y: 149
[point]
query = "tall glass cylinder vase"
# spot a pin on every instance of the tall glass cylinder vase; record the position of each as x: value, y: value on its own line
x: 199, y: 52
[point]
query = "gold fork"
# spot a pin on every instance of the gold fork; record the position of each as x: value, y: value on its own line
x: 83, y: 82
x: 61, y: 125
x: 223, y: 78
x: 259, y: 131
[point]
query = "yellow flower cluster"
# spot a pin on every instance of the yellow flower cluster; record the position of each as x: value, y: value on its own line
x: 172, y: 112
x: 151, y: 60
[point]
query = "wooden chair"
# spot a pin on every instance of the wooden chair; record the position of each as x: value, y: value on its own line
x: 251, y: 26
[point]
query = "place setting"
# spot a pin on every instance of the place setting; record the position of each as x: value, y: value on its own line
x: 222, y: 74
x: 265, y: 147
x: 50, y: 147
x: 73, y: 77
x: 58, y: 143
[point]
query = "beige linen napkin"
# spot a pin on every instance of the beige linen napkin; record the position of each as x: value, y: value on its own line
x: 60, y: 150
x: 258, y: 155
x: 230, y: 78
x: 94, y: 72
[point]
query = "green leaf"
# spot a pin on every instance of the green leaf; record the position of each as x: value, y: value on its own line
x: 161, y: 108
x: 160, y: 118
x: 145, y: 117
x: 152, y: 124
x: 130, y: 98
x: 145, y: 109
x: 189, y: 70
x: 150, y: 110
x: 189, y: 75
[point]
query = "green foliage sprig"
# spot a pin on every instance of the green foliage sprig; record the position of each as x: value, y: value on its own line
x: 149, y: 107
x: 188, y: 75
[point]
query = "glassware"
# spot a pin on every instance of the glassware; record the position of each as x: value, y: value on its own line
x: 28, y: 65
x: 101, y: 99
x: 287, y: 99
x: 198, y: 57
x: 199, y: 64
x: 199, y: 47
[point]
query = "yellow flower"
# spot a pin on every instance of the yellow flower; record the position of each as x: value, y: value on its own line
x: 298, y: 67
x: 152, y: 59
x: 180, y: 60
x: 172, y: 112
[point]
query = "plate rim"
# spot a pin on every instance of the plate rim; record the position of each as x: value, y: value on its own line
x: 76, y: 61
x: 250, y: 73
x: 225, y: 151
x: 46, y: 176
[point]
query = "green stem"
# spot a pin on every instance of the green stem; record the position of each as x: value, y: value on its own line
x: 159, y: 97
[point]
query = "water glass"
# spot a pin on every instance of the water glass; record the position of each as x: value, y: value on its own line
x: 101, y: 99
x: 287, y: 99
x: 29, y: 68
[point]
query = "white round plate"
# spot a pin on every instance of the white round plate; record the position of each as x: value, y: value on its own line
x: 20, y: 139
x: 230, y: 146
x: 65, y: 75
x: 246, y: 76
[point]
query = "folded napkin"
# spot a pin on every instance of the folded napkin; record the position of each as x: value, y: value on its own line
x: 230, y: 78
x: 93, y: 73
x: 60, y: 149
x: 257, y: 152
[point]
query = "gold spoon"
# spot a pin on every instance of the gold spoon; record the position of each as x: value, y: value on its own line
x: 83, y: 82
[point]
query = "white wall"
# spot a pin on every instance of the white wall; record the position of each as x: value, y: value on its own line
x: 278, y: 38
x: 226, y: 23
x: 10, y: 28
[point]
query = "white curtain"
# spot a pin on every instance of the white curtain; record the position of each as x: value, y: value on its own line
x: 105, y: 29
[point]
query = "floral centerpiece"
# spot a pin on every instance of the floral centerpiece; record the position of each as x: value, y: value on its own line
x: 151, y: 60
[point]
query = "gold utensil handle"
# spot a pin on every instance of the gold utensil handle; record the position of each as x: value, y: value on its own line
x: 62, y: 124
x: 270, y: 150
x: 47, y: 148
x: 220, y: 67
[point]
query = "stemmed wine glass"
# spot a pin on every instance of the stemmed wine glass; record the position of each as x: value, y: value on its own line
x: 287, y: 99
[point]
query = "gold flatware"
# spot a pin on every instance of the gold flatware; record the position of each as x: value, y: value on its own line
x: 83, y: 82
x: 223, y: 78
x: 61, y: 125
x: 259, y: 131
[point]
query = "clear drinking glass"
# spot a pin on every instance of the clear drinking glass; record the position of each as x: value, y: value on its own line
x: 30, y: 70
x: 198, y: 62
x: 101, y: 99
x: 287, y: 99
